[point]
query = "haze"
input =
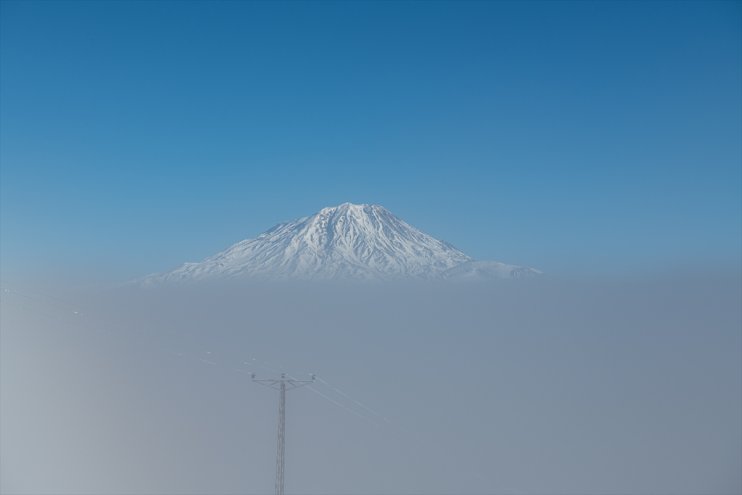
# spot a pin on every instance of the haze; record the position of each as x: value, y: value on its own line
x: 598, y: 143
x: 532, y: 387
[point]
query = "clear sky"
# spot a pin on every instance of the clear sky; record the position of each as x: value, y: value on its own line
x: 574, y: 137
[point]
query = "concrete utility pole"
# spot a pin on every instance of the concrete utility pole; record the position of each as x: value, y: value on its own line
x: 282, y: 385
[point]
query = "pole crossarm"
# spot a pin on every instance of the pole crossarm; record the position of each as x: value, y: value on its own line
x: 289, y: 381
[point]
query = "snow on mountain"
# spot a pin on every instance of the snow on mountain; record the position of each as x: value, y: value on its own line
x: 340, y: 242
x: 486, y: 270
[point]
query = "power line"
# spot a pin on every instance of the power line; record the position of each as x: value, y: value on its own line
x: 351, y: 399
x: 344, y: 407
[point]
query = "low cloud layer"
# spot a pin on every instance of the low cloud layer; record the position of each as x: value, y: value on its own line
x: 630, y: 386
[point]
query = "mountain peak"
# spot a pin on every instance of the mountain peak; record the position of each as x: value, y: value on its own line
x: 349, y: 240
x: 353, y: 208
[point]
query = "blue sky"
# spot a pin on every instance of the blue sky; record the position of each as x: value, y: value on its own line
x: 585, y: 137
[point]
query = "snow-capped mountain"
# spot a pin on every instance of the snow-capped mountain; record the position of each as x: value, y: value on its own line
x: 340, y: 242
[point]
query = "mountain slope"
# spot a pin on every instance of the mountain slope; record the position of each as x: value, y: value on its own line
x: 345, y: 241
x: 488, y: 270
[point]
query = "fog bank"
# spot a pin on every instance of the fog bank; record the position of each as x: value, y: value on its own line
x: 547, y: 387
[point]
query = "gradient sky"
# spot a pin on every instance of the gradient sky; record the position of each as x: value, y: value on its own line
x: 584, y: 137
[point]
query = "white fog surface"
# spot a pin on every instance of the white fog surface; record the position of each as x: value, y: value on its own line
x: 532, y: 387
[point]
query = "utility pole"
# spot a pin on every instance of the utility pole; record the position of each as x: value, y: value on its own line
x: 282, y: 385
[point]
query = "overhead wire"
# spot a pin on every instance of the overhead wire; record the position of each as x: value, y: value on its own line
x: 70, y: 308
